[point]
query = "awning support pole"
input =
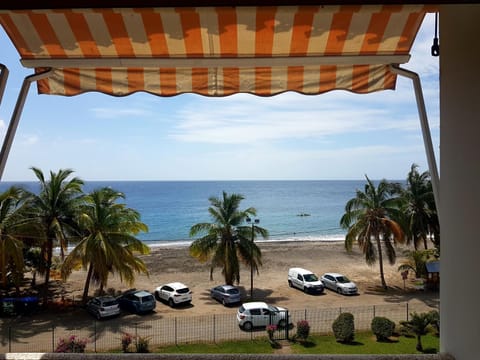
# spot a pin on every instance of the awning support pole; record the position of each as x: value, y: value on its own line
x: 3, y: 80
x: 17, y: 112
x: 427, y: 138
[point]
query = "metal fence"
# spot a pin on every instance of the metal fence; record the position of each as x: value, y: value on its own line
x: 105, y: 336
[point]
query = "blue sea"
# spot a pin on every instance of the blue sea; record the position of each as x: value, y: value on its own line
x: 170, y: 208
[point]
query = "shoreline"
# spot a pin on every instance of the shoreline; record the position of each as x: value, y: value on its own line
x: 185, y: 243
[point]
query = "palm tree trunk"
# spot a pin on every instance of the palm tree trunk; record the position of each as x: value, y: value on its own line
x: 419, y: 346
x: 380, y: 261
x: 3, y: 266
x: 47, y: 270
x: 87, y: 284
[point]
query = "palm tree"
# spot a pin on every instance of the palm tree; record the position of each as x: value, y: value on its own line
x: 416, y: 261
x: 108, y: 243
x: 418, y: 200
x: 369, y: 220
x: 11, y: 245
x: 226, y: 242
x: 53, y: 211
x: 418, y: 325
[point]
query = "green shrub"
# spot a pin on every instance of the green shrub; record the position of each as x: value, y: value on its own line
x: 382, y: 327
x: 344, y: 328
x: 435, y: 320
x: 303, y: 330
x: 142, y: 344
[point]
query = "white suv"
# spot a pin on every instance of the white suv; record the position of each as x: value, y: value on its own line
x: 174, y: 293
x: 253, y: 314
x: 304, y: 280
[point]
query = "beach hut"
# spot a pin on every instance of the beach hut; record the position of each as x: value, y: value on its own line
x: 433, y: 275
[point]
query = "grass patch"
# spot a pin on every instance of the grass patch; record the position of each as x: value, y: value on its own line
x: 228, y: 347
x: 365, y: 343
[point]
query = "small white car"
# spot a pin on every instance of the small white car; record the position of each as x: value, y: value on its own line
x: 174, y: 293
x: 257, y: 313
x: 339, y: 283
x: 304, y: 280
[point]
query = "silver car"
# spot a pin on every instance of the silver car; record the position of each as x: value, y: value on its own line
x: 339, y: 283
x: 103, y: 306
x: 226, y: 294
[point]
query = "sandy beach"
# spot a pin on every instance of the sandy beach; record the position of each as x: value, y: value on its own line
x: 168, y: 264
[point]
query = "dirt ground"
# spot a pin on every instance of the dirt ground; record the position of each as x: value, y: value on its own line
x: 169, y: 264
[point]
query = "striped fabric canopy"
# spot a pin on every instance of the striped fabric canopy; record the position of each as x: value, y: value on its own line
x: 215, y: 51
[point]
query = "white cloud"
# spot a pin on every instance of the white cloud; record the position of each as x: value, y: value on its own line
x: 289, y: 117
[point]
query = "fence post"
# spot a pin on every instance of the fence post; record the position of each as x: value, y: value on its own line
x: 94, y: 336
x: 9, y: 339
x: 287, y: 326
x: 176, y: 343
x: 373, y: 310
x: 214, y: 329
x: 53, y: 338
x: 136, y: 335
x: 305, y: 316
x: 407, y: 311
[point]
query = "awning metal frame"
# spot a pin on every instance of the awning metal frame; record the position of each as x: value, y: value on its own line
x: 17, y: 112
x: 208, y: 62
x: 427, y: 138
x: 3, y: 80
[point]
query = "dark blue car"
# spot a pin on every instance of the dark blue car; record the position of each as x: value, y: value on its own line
x: 137, y: 301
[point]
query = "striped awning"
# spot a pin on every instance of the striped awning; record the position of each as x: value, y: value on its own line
x: 215, y: 51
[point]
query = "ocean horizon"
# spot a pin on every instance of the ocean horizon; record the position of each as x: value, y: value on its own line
x: 291, y: 210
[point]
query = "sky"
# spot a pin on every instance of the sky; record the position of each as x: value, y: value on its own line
x: 333, y: 136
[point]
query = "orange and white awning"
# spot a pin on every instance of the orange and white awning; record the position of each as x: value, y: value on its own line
x: 215, y: 51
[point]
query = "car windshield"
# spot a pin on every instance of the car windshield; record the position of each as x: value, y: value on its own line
x: 310, y: 278
x: 232, y: 291
x: 343, y: 279
x: 272, y: 308
x: 146, y: 298
x: 183, y: 290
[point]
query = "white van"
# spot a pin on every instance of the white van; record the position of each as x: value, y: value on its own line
x: 304, y: 280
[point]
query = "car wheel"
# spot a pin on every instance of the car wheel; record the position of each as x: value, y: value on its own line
x: 224, y: 302
x: 247, y: 326
x: 98, y: 316
x: 157, y: 295
x: 305, y: 290
x: 282, y: 323
x: 339, y: 290
x: 171, y: 303
x: 290, y: 283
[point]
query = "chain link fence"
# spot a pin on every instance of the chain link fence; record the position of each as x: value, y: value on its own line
x: 105, y: 336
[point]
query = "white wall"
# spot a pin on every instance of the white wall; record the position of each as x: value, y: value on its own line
x: 460, y: 180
